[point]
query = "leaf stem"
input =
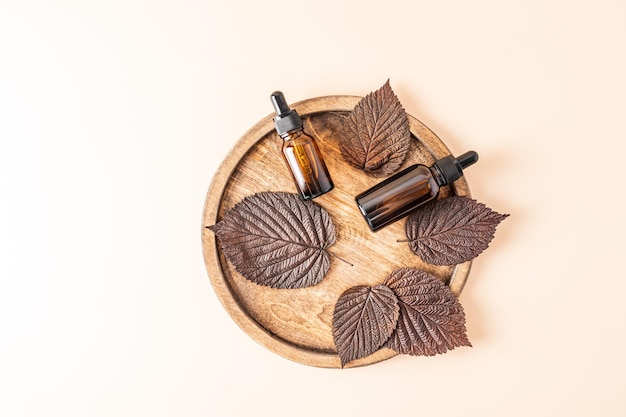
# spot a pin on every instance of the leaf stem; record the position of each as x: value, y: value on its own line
x: 340, y: 258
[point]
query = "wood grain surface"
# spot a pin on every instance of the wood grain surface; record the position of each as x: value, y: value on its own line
x: 297, y: 324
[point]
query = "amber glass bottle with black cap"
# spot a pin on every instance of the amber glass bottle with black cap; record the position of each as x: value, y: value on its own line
x: 402, y: 193
x: 300, y: 151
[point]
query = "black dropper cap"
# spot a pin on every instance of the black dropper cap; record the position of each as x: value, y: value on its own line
x: 286, y: 119
x: 451, y: 168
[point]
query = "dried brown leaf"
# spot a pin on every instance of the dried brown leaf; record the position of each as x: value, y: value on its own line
x: 376, y: 133
x: 277, y: 240
x: 451, y: 230
x: 363, y: 320
x: 431, y: 318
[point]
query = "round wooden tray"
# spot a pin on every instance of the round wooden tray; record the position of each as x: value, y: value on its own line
x: 297, y: 323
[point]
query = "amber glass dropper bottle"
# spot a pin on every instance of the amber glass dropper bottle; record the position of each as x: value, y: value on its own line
x: 418, y: 184
x: 300, y: 151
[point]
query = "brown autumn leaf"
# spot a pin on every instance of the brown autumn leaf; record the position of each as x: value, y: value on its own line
x: 277, y: 240
x: 431, y: 320
x: 363, y: 320
x: 451, y: 230
x: 376, y: 133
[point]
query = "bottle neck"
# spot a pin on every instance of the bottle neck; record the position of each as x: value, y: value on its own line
x: 438, y: 175
x: 292, y: 134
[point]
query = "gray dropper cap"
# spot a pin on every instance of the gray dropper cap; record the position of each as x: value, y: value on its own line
x: 286, y: 119
x: 451, y: 168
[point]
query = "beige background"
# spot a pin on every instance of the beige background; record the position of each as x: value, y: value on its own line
x: 114, y: 116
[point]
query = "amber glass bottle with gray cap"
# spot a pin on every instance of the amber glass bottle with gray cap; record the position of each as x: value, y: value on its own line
x: 402, y: 193
x: 301, y: 152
